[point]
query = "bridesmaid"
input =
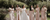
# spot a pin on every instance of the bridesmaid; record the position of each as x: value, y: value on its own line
x: 31, y: 13
x: 43, y: 13
x: 11, y: 13
x: 18, y: 12
x: 37, y: 12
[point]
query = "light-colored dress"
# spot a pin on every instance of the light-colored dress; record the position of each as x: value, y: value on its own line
x: 45, y: 13
x: 42, y: 14
x: 37, y: 13
x: 11, y: 13
x: 31, y: 14
x: 18, y: 13
x: 24, y: 15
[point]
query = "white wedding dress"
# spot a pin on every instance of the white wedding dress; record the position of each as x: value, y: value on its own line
x: 24, y: 15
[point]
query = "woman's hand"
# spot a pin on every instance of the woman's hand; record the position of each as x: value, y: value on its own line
x: 20, y: 9
x: 8, y: 10
x: 27, y: 14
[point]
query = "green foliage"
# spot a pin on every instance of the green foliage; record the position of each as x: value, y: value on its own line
x: 33, y: 3
x: 20, y: 4
x: 7, y: 3
x: 41, y: 4
x: 48, y: 18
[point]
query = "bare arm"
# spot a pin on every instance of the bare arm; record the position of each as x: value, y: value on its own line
x: 20, y: 9
x: 9, y: 10
x: 26, y: 11
x: 16, y: 9
x: 33, y: 10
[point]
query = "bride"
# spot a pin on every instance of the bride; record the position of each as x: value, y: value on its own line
x: 24, y: 15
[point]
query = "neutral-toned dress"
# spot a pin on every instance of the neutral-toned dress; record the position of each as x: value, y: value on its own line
x: 42, y: 14
x: 18, y: 13
x: 11, y: 13
x: 37, y: 13
x: 31, y: 14
x: 45, y: 13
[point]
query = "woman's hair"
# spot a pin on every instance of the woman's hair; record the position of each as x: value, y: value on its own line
x: 44, y: 5
x: 30, y: 9
x: 11, y: 6
x: 31, y: 5
x: 16, y: 5
x: 22, y: 6
x: 37, y: 5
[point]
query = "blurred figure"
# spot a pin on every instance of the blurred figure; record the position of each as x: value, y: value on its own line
x: 24, y: 15
x: 11, y: 13
x: 31, y: 13
x: 18, y: 12
x: 43, y: 13
x: 45, y: 8
x: 37, y: 12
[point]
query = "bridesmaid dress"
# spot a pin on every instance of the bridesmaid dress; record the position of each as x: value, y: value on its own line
x: 45, y: 13
x: 11, y: 13
x: 42, y: 14
x: 37, y: 13
x: 18, y: 13
x: 31, y: 14
x: 24, y: 15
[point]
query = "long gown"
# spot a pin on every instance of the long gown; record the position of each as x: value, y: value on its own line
x: 11, y: 13
x: 42, y: 14
x: 37, y: 13
x: 18, y: 14
x: 31, y: 14
x: 24, y: 15
x: 45, y: 13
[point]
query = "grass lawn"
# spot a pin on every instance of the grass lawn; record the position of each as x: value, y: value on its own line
x: 48, y: 18
x: 48, y: 13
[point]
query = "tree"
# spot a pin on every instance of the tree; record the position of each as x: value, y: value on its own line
x: 8, y: 3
